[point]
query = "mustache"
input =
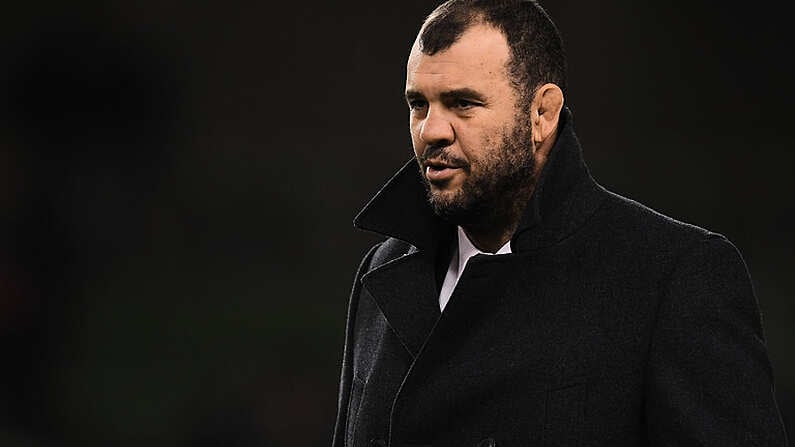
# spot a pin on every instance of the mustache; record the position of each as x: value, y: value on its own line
x: 439, y: 153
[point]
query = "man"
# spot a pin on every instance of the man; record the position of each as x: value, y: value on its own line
x: 515, y: 302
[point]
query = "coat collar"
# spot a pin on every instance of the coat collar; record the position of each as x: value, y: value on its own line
x: 564, y: 197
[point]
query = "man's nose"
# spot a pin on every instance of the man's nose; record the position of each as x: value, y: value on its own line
x: 437, y: 130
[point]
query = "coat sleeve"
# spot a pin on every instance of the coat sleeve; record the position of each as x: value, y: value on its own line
x: 346, y: 376
x: 709, y: 378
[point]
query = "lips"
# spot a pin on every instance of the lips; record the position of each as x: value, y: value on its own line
x: 440, y: 171
x: 440, y: 164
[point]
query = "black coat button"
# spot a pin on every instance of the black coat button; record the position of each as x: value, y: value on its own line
x: 488, y: 442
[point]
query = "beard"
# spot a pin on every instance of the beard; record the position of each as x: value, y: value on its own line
x: 498, y: 189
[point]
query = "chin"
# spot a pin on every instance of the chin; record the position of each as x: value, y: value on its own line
x: 449, y: 188
x: 447, y: 205
x: 444, y: 196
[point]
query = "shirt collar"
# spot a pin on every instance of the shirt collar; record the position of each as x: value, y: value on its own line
x: 466, y: 249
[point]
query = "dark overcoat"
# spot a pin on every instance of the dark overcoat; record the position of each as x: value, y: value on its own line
x: 609, y: 325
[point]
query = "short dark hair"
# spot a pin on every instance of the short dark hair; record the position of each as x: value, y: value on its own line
x: 537, y: 53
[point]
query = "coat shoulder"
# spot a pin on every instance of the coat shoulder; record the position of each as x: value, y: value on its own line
x: 638, y: 221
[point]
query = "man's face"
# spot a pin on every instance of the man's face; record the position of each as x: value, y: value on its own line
x: 471, y: 139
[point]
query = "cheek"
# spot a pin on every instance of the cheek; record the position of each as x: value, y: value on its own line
x: 415, y: 139
x: 478, y: 146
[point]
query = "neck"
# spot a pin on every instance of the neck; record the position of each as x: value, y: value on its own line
x: 489, y: 242
x: 492, y: 232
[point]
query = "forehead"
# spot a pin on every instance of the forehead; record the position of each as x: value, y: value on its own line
x: 478, y: 57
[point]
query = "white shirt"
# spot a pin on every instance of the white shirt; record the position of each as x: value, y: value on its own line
x: 465, y: 249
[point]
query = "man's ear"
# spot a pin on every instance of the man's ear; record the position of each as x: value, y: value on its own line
x: 545, y: 115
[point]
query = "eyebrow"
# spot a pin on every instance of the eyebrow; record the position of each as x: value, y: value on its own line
x: 449, y: 95
x: 412, y: 95
x: 459, y: 93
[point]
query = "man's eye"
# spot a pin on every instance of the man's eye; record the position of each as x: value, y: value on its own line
x: 463, y: 104
x: 417, y: 104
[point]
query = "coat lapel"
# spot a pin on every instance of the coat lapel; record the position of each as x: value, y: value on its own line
x: 480, y: 292
x: 405, y: 291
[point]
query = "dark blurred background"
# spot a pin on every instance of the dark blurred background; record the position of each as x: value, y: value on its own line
x: 178, y: 180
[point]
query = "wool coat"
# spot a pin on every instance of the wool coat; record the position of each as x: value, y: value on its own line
x: 609, y: 325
